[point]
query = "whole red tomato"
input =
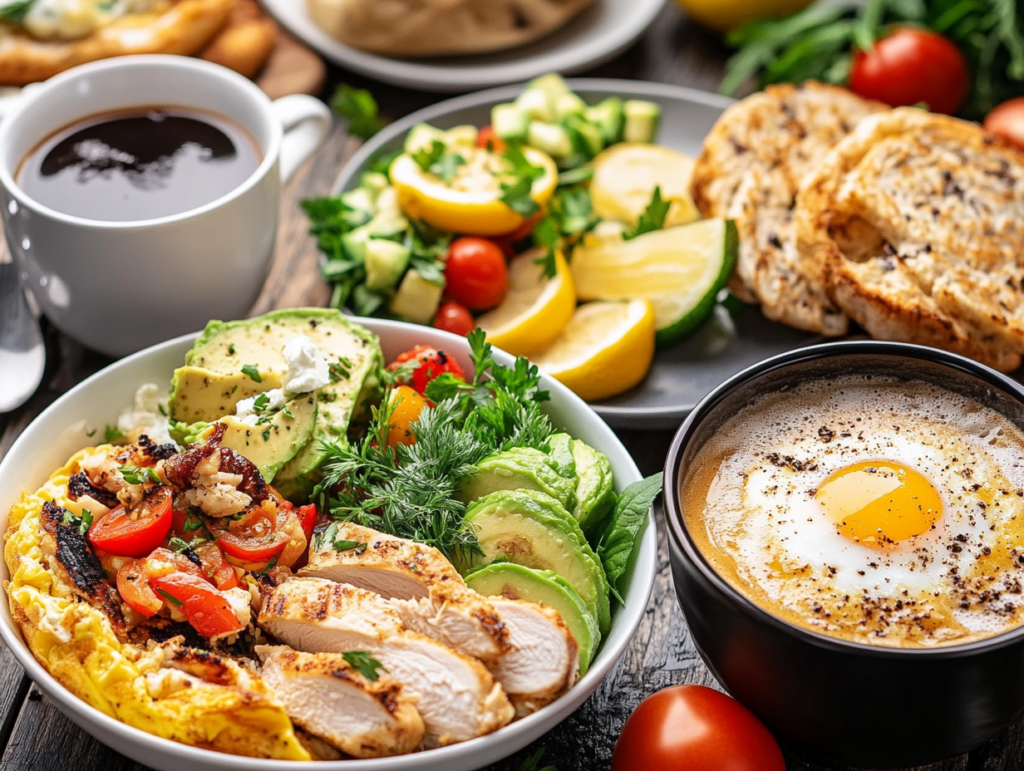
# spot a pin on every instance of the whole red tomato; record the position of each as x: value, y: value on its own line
x: 418, y: 366
x: 1007, y: 121
x: 912, y: 66
x: 476, y: 275
x: 454, y: 318
x: 693, y: 728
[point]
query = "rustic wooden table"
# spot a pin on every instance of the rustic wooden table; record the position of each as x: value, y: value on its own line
x: 34, y: 735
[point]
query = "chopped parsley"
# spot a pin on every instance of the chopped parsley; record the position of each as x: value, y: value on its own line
x: 340, y: 369
x: 231, y: 349
x: 517, y: 194
x: 111, y: 434
x: 193, y: 520
x: 359, y: 109
x: 364, y: 663
x: 652, y: 218
x: 570, y: 216
x: 438, y: 160
x: 84, y: 522
x: 266, y: 433
x: 92, y: 433
x: 133, y: 475
x: 180, y: 545
x: 252, y: 372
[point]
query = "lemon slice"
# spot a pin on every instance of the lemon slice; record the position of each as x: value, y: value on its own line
x: 535, y: 309
x: 606, y: 349
x: 679, y: 270
x: 625, y: 176
x: 472, y: 203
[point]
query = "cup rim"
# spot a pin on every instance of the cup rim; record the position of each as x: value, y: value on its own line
x: 681, y: 538
x: 37, y: 92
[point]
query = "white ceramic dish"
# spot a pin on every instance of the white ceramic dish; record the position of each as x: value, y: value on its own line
x: 596, y: 35
x: 61, y: 430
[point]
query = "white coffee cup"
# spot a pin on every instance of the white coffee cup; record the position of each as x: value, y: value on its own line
x: 120, y: 286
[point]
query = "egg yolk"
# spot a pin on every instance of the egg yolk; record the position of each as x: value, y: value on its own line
x: 879, y: 502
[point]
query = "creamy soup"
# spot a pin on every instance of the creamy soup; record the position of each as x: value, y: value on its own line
x: 882, y: 512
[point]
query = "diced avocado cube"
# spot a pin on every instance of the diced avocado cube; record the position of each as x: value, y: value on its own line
x: 374, y: 181
x: 421, y: 137
x: 510, y: 122
x: 537, y: 104
x: 549, y: 138
x: 609, y: 117
x: 386, y: 225
x: 588, y: 133
x: 461, y: 136
x: 385, y: 263
x: 569, y: 104
x: 417, y: 299
x: 354, y: 243
x: 642, y: 120
x: 552, y: 84
x: 387, y: 202
x: 360, y: 199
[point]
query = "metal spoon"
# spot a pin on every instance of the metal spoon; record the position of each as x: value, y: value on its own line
x: 22, y: 355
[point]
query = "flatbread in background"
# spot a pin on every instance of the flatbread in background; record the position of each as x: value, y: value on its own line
x: 247, y: 41
x: 406, y: 28
x: 917, y: 222
x: 172, y: 27
x: 751, y: 167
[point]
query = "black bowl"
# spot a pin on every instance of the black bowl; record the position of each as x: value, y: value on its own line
x: 839, y: 701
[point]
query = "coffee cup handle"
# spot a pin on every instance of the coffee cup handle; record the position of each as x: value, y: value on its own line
x: 306, y: 122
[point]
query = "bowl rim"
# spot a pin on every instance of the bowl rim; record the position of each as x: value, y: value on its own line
x: 642, y: 582
x: 681, y: 538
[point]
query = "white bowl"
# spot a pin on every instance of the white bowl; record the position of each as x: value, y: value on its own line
x: 61, y: 430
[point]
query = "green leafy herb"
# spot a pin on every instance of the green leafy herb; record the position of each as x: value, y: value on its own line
x: 380, y: 162
x: 193, y: 520
x: 111, y: 434
x: 532, y: 763
x: 652, y: 218
x: 364, y: 663
x: 180, y: 545
x: 92, y: 433
x: 85, y: 522
x: 231, y: 349
x: 133, y: 475
x: 570, y: 216
x: 358, y: 107
x: 269, y: 566
x: 170, y: 598
x: 163, y: 410
x: 517, y: 192
x: 438, y: 160
x: 252, y: 372
x: 620, y: 534
x: 153, y: 475
x: 340, y: 369
x: 344, y: 545
x: 575, y: 176
x: 16, y: 12
x: 266, y: 433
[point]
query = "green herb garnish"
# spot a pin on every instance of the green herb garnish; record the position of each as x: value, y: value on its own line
x: 340, y: 369
x: 358, y: 107
x: 652, y: 218
x: 92, y: 433
x: 133, y: 475
x: 623, y: 527
x: 344, y: 545
x: 16, y: 12
x: 252, y: 372
x: 570, y: 216
x: 180, y: 545
x: 170, y: 598
x: 364, y: 663
x: 111, y: 434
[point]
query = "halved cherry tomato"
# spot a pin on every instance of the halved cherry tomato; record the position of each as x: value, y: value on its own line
x: 137, y: 532
x: 475, y: 273
x: 487, y: 139
x: 307, y: 516
x: 257, y: 538
x: 215, y: 567
x: 431, y: 362
x: 134, y: 588
x: 697, y: 729
x: 1007, y: 121
x: 454, y: 318
x: 206, y: 609
x: 163, y: 562
x: 290, y: 530
x: 407, y: 406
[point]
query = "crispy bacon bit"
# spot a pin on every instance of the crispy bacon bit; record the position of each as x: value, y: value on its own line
x: 156, y: 451
x: 79, y: 486
x: 182, y: 470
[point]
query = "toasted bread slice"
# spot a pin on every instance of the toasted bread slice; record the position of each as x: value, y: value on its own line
x: 172, y: 27
x: 752, y: 165
x: 916, y: 223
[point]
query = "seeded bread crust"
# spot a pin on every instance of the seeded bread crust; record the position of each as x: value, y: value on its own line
x: 173, y: 27
x: 915, y: 224
x: 750, y: 170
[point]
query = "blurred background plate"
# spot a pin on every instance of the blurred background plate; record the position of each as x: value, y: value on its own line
x: 729, y: 342
x: 600, y: 32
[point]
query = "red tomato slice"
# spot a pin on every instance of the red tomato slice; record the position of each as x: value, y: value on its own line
x: 255, y: 538
x: 1007, y: 121
x: 134, y: 588
x: 207, y: 610
x: 693, y: 728
x: 163, y: 562
x: 487, y: 139
x: 138, y: 532
x: 216, y: 568
x: 431, y: 362
x: 307, y: 516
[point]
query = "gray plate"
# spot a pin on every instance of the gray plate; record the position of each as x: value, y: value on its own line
x: 683, y: 373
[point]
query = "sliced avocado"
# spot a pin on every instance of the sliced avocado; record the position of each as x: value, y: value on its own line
x: 421, y: 137
x: 386, y: 261
x: 417, y: 299
x: 201, y: 395
x: 533, y: 529
x: 589, y: 135
x: 569, y: 104
x: 609, y: 116
x: 536, y: 103
x: 521, y: 468
x: 259, y: 343
x: 518, y: 582
x: 595, y: 497
x: 510, y: 122
x: 552, y: 84
x: 642, y: 120
x: 549, y: 138
x: 277, y: 441
x: 560, y: 450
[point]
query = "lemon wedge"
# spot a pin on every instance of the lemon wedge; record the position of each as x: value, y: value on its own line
x: 626, y: 174
x: 471, y: 203
x: 680, y: 270
x: 607, y: 348
x: 535, y: 309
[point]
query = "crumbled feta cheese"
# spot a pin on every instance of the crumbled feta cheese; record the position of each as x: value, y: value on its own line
x: 244, y: 410
x: 53, y: 622
x: 145, y: 417
x: 307, y: 366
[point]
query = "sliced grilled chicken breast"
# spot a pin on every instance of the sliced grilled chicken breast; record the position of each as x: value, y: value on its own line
x: 328, y: 698
x: 544, y: 658
x: 456, y: 696
x: 427, y: 590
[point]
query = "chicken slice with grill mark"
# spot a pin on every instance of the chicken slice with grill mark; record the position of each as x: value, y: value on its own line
x: 326, y: 697
x: 456, y: 696
x: 424, y: 587
x: 544, y: 658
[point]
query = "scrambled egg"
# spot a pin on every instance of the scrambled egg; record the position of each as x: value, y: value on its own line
x: 204, y: 701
